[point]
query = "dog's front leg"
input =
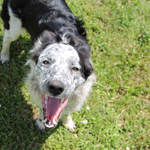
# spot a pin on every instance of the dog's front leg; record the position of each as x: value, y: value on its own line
x: 39, y: 121
x: 10, y: 35
x: 68, y: 122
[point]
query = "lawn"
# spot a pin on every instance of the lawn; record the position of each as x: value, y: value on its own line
x: 117, y: 113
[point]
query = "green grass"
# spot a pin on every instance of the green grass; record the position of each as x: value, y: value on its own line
x: 119, y: 116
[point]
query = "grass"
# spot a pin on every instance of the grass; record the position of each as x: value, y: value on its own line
x: 119, y: 115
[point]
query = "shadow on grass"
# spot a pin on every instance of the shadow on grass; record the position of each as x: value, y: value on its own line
x: 17, y: 129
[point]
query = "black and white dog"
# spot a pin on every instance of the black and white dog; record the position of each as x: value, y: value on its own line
x: 61, y: 73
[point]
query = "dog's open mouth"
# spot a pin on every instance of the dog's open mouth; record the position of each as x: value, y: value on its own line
x: 52, y: 108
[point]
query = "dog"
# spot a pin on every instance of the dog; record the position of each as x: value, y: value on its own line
x: 61, y: 74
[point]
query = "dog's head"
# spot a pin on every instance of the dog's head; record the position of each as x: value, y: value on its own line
x: 59, y: 68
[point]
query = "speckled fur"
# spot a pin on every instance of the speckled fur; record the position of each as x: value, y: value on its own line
x: 62, y: 58
x: 58, y: 36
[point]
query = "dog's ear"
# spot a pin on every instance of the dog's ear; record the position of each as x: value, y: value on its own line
x: 84, y: 53
x: 49, y: 37
x: 44, y: 40
x: 83, y: 50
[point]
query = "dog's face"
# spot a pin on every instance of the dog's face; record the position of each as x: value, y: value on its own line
x: 59, y: 73
x: 59, y: 64
x: 60, y: 68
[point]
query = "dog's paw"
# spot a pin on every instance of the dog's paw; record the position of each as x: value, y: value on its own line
x: 4, y: 58
x: 40, y: 125
x: 68, y: 123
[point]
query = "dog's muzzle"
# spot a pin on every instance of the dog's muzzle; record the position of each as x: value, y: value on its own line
x: 53, y: 106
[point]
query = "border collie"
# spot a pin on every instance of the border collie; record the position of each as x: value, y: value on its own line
x: 61, y: 73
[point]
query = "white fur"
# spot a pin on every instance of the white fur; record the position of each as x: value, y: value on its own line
x: 75, y: 102
x: 39, y: 121
x: 68, y: 122
x: 77, y: 92
x: 79, y: 96
x: 10, y: 35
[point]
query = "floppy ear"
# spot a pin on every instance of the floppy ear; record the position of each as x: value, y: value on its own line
x: 84, y: 54
x: 49, y: 37
x: 88, y: 68
x: 83, y: 50
x: 44, y: 40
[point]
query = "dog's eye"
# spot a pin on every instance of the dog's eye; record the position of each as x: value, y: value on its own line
x: 45, y: 62
x: 75, y: 69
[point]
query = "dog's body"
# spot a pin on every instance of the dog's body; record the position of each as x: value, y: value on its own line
x: 61, y: 71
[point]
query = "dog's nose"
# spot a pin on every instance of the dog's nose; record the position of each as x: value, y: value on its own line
x: 55, y: 87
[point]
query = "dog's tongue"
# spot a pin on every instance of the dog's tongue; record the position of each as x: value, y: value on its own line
x: 52, y: 108
x: 53, y: 105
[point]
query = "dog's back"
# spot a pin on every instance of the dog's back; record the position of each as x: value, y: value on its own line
x: 38, y: 15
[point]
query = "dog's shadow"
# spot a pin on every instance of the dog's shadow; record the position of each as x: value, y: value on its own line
x: 18, y: 130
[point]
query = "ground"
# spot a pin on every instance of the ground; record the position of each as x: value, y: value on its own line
x: 117, y: 113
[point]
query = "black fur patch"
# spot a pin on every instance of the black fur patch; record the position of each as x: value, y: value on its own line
x: 5, y: 15
x: 52, y: 21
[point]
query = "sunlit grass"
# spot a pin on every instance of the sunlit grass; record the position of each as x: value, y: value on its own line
x: 119, y: 115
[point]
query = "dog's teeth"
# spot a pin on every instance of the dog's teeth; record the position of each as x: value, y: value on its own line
x: 46, y: 102
x: 54, y: 122
x: 44, y: 120
x: 46, y: 97
x: 49, y: 125
x: 61, y: 102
